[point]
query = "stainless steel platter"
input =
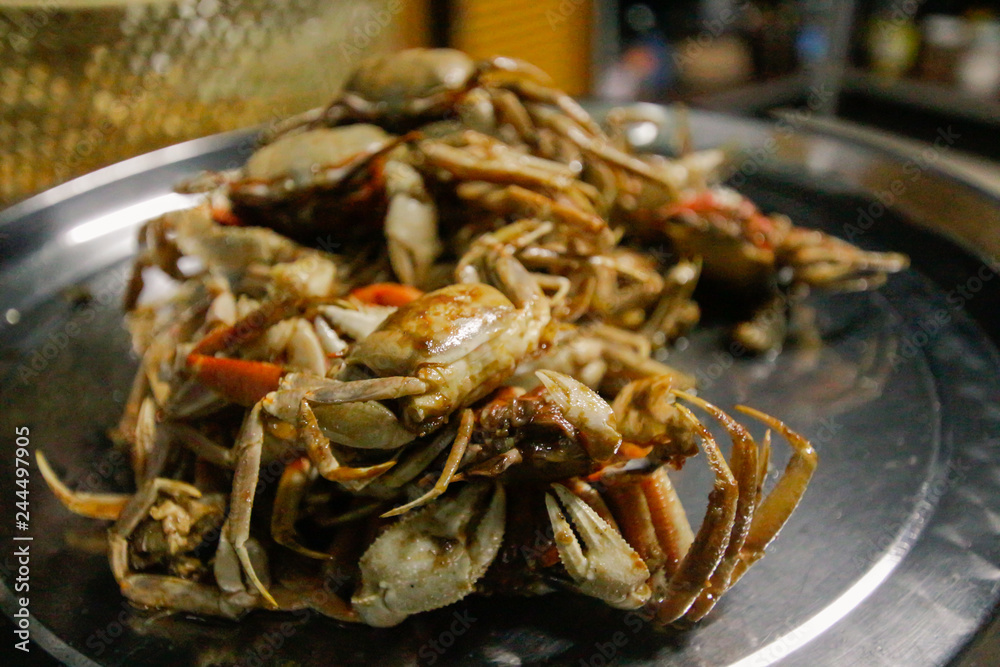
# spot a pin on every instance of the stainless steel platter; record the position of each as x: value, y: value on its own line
x: 893, y: 558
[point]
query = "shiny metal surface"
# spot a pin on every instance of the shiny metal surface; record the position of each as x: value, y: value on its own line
x: 893, y: 558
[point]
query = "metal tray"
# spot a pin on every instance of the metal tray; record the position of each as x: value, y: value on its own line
x: 893, y: 557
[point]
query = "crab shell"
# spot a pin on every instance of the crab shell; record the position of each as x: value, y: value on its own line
x: 325, y: 184
x: 463, y: 340
x: 409, y: 84
x: 433, y: 557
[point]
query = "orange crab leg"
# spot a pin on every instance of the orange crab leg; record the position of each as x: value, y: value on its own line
x: 757, y: 228
x: 240, y: 381
x: 630, y: 450
x: 214, y: 341
x: 225, y: 217
x: 773, y: 512
x: 386, y: 294
x: 91, y: 505
x: 225, y: 339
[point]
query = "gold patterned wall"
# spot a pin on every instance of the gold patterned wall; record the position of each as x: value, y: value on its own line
x: 85, y: 83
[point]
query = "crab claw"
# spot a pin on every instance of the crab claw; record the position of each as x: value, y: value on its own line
x: 586, y: 411
x: 433, y: 557
x: 604, y: 566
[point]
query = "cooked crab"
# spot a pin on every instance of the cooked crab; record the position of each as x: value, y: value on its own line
x: 760, y: 259
x: 626, y: 539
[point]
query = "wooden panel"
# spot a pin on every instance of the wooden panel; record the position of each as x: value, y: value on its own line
x: 552, y: 34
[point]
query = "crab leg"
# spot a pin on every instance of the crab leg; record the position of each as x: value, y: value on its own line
x: 288, y: 125
x: 767, y: 328
x: 828, y: 262
x: 236, y: 530
x: 710, y: 543
x: 227, y: 339
x: 412, y: 464
x: 161, y: 591
x: 779, y: 504
x: 201, y: 445
x: 320, y: 452
x: 531, y: 172
x: 375, y: 389
x: 292, y: 487
x: 509, y: 111
x: 538, y: 93
x: 675, y: 311
x: 240, y: 381
x: 106, y: 506
x: 145, y: 441
x: 125, y: 430
x: 451, y: 465
x: 519, y: 200
x: 743, y: 461
x: 411, y: 224
x: 652, y: 518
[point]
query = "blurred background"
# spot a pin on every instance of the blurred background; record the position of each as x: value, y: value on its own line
x: 85, y: 83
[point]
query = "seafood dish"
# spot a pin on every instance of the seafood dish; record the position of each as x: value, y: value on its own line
x: 409, y: 354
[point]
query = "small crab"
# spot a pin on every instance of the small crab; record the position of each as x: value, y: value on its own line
x: 560, y: 429
x: 332, y: 187
x: 433, y: 557
x: 409, y: 88
x: 447, y: 348
x: 161, y: 549
x: 753, y: 254
x: 624, y: 536
x: 435, y: 355
x: 504, y: 97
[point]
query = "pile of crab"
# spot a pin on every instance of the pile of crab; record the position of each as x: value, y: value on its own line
x: 423, y: 312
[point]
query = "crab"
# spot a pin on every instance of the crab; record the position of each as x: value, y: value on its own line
x: 410, y: 88
x: 231, y: 252
x: 333, y: 187
x: 762, y: 258
x: 624, y: 537
x: 433, y: 557
x: 449, y: 347
x: 216, y: 341
x: 433, y: 356
x: 429, y: 89
x: 560, y: 428
x: 160, y: 527
x: 160, y: 550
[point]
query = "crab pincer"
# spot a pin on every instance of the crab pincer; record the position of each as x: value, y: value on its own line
x: 600, y: 563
